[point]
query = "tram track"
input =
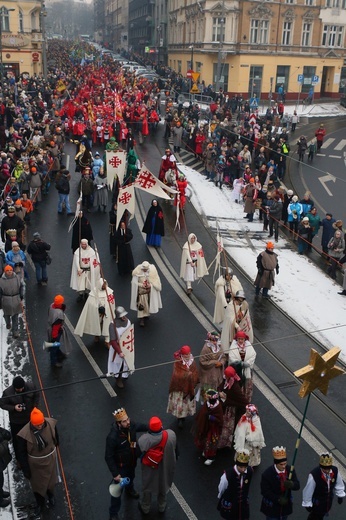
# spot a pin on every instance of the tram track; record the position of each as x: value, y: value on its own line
x: 267, y: 346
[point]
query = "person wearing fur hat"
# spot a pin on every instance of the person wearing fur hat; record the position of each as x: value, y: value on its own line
x: 56, y: 331
x: 145, y: 291
x: 233, y: 405
x: 157, y: 480
x: 304, y: 235
x: 182, y: 388
x: 323, y: 483
x: 37, y: 456
x: 276, y: 487
x: 121, y: 455
x: 16, y: 258
x: 208, y: 426
x: 248, y: 435
x: 242, y: 357
x: 193, y: 265
x: 234, y: 487
x: 267, y: 264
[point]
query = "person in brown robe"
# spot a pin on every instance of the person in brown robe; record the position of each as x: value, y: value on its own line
x: 267, y: 264
x: 37, y: 456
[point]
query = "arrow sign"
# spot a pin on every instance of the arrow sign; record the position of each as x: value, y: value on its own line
x: 327, y: 178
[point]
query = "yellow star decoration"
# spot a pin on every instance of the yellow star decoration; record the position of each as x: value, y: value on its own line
x: 319, y: 371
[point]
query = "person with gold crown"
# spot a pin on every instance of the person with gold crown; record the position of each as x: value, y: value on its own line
x: 323, y: 483
x: 276, y: 487
x: 37, y: 456
x: 234, y: 489
x: 121, y: 455
x: 267, y: 264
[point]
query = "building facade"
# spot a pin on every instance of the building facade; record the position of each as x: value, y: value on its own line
x: 21, y: 37
x: 252, y: 47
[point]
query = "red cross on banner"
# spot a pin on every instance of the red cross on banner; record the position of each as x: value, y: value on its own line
x: 115, y: 161
x: 146, y: 181
x: 110, y: 298
x: 127, y: 345
x: 126, y: 201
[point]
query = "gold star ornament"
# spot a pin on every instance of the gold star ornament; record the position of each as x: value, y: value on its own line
x: 319, y: 372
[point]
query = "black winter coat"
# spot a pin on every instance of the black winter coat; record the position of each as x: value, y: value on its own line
x: 121, y: 454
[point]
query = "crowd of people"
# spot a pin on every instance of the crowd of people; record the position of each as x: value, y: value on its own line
x: 106, y: 108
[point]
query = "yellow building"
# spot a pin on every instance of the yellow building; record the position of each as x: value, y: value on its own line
x: 21, y: 37
x: 254, y: 47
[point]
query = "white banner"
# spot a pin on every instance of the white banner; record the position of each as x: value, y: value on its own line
x: 126, y: 201
x: 147, y: 181
x: 116, y: 166
x: 127, y: 345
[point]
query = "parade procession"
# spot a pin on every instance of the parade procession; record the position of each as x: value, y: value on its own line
x: 151, y: 363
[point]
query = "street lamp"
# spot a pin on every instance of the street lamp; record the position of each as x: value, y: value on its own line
x: 191, y: 61
x: 2, y: 12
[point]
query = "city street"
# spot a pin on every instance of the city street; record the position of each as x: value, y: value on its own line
x: 83, y: 404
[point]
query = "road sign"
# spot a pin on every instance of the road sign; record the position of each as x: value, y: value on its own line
x: 195, y: 76
x: 300, y: 78
x: 195, y: 89
x: 315, y: 79
x: 189, y: 73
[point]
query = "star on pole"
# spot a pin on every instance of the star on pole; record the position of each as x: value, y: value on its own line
x: 319, y: 372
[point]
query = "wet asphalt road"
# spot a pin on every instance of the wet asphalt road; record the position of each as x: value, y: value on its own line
x: 83, y: 409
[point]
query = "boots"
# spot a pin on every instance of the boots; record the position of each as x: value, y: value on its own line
x: 119, y: 382
x: 343, y: 292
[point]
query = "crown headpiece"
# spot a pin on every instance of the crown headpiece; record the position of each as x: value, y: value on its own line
x: 326, y: 460
x: 120, y: 414
x: 243, y: 457
x: 279, y: 453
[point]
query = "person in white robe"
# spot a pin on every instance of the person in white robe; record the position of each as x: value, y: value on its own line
x: 193, y: 265
x: 98, y: 312
x: 242, y: 357
x: 236, y: 317
x: 85, y: 270
x: 145, y: 291
x: 226, y: 287
x: 249, y: 435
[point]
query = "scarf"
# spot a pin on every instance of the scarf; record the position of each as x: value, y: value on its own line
x: 41, y: 443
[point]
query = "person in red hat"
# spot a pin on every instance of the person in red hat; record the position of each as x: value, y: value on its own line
x: 267, y: 264
x: 37, y: 443
x: 181, y: 401
x: 242, y: 358
x: 157, y: 475
x: 233, y: 406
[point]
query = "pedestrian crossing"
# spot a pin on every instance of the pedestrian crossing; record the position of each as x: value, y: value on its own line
x: 332, y: 145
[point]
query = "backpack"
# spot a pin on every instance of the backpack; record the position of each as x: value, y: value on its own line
x: 154, y: 455
x: 63, y: 184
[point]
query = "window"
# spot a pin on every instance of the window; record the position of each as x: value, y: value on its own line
x: 33, y: 21
x: 224, y: 73
x: 218, y: 30
x: 282, y: 77
x: 259, y: 31
x: 289, y: 1
x: 332, y: 3
x: 308, y: 73
x: 5, y: 19
x: 306, y: 34
x: 255, y: 81
x: 179, y: 66
x: 21, y: 21
x: 333, y: 36
x: 287, y: 33
x: 309, y: 2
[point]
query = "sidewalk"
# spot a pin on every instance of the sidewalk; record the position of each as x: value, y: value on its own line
x: 302, y: 289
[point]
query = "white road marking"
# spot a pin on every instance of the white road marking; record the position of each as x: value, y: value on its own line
x: 321, y: 155
x: 327, y: 178
x: 327, y: 142
x: 182, y: 502
x: 341, y: 145
x: 91, y: 360
x: 335, y: 156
